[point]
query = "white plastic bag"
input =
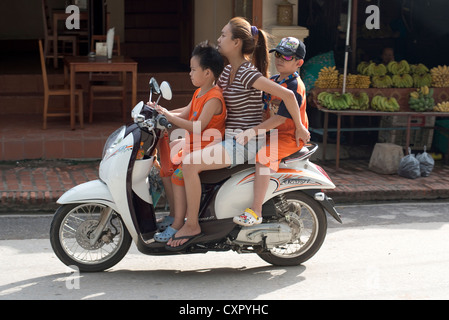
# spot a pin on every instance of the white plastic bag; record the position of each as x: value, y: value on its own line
x: 409, y: 166
x: 426, y: 163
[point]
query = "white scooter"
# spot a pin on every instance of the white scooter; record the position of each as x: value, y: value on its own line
x: 97, y: 221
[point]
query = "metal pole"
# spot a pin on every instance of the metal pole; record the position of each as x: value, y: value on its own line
x: 347, y: 47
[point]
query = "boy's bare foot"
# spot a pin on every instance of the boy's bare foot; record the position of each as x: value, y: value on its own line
x: 186, y: 230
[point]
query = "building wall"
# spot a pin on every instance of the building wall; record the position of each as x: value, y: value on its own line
x: 270, y: 12
x: 22, y: 19
x: 210, y: 17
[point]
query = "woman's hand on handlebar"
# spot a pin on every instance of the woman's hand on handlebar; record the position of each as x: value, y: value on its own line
x: 158, y: 108
x: 161, y: 110
x: 151, y: 104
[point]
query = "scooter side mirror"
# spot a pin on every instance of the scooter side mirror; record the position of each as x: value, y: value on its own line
x: 166, y: 91
x: 154, y: 86
x: 137, y: 109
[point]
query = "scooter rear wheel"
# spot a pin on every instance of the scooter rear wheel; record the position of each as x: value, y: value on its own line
x: 70, y: 233
x: 311, y: 222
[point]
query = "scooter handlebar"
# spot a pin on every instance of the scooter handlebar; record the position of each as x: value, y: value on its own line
x: 164, y: 122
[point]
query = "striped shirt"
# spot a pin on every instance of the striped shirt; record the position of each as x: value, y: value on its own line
x: 243, y: 103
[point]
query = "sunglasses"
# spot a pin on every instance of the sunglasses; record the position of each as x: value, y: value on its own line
x: 283, y: 57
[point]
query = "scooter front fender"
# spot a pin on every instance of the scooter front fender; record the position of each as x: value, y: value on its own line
x: 94, y: 191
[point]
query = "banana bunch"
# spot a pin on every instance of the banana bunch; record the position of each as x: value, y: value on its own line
x: 355, y: 81
x: 325, y: 99
x: 398, y: 68
x: 382, y: 81
x: 360, y: 101
x: 422, y: 80
x: 327, y: 78
x: 335, y: 101
x: 362, y: 66
x: 363, y: 82
x: 419, y: 69
x: 371, y: 69
x: 402, y: 80
x: 381, y: 103
x: 425, y: 90
x: 422, y: 99
x: 442, y: 107
x: 440, y: 76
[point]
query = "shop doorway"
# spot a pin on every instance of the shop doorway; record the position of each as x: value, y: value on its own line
x: 159, y: 34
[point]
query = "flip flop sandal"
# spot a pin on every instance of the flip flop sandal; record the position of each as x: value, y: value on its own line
x: 166, y: 222
x: 247, y: 218
x: 191, y: 240
x: 165, y: 235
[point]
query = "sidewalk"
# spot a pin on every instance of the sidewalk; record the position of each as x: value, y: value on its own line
x: 34, y: 186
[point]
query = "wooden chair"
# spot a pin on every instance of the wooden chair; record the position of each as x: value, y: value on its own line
x: 48, y: 36
x: 58, y: 91
x: 107, y: 85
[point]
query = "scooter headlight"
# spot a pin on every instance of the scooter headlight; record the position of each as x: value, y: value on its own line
x: 115, y: 138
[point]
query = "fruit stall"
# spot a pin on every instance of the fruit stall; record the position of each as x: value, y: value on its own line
x: 409, y: 98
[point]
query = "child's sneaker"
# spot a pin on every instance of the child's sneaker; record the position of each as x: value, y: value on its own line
x: 248, y: 218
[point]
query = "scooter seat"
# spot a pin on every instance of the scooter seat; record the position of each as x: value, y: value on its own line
x: 217, y: 176
x: 302, y: 154
x: 296, y: 155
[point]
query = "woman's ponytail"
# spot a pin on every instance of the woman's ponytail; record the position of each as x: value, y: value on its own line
x: 254, y: 42
x: 260, y: 55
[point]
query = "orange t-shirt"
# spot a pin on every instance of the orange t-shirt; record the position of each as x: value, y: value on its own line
x: 286, y: 143
x: 218, y: 121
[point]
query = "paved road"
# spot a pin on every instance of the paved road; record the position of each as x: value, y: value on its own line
x: 393, y: 251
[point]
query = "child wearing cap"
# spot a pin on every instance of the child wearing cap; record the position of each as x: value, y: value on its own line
x: 206, y: 109
x: 290, y: 54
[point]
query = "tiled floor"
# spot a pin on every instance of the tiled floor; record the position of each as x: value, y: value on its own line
x: 36, y: 185
x: 355, y: 182
x: 22, y: 137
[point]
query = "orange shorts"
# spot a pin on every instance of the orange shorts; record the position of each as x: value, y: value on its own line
x: 167, y: 165
x: 170, y: 167
x: 272, y: 153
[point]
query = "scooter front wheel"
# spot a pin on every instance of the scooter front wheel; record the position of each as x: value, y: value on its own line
x: 71, y: 232
x: 309, y: 224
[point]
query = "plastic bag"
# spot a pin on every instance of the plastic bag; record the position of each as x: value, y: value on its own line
x: 426, y: 163
x: 409, y: 166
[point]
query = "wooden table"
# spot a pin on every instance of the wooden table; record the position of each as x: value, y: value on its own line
x: 61, y: 15
x: 72, y: 65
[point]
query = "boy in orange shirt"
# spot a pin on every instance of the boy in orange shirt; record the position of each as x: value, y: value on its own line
x: 290, y: 54
x: 205, y: 111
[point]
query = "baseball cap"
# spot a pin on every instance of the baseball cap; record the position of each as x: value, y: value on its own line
x: 291, y: 47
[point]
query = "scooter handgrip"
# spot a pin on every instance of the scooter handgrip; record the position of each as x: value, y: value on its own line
x: 164, y: 122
